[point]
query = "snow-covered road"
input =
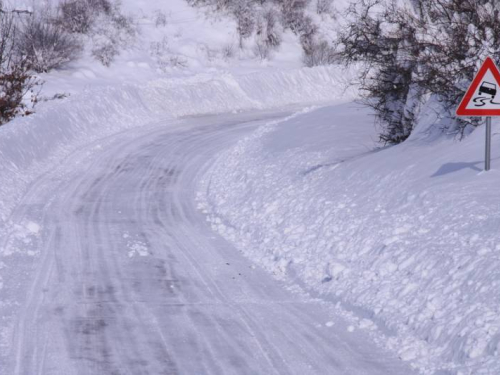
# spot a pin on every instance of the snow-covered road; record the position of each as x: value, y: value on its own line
x: 132, y: 280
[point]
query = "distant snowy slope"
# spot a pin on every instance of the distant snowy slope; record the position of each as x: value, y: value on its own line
x: 174, y: 40
x: 406, y: 236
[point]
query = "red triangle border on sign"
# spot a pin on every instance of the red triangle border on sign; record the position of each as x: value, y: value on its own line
x: 462, y: 110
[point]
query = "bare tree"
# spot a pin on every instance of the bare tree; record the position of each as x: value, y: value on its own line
x: 245, y: 21
x: 16, y: 80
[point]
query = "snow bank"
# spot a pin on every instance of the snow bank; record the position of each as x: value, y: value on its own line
x: 405, y: 236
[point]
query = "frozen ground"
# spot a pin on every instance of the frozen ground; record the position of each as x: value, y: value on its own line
x: 405, y: 237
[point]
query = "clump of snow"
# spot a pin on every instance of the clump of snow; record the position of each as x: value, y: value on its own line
x: 19, y: 238
x: 406, y: 235
x: 137, y: 248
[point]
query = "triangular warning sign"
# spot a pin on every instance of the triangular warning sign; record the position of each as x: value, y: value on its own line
x: 483, y: 96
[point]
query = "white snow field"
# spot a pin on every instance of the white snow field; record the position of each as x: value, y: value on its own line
x: 404, y: 237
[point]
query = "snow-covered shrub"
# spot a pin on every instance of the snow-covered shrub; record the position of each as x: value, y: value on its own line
x: 78, y: 16
x: 307, y: 31
x: 323, y: 6
x: 160, y: 19
x: 387, y: 77
x: 216, y: 4
x: 228, y: 51
x: 110, y: 34
x: 268, y: 34
x: 17, y: 83
x: 266, y: 20
x: 210, y: 54
x: 8, y: 30
x: 46, y: 45
x: 109, y: 30
x: 162, y: 55
x: 268, y: 28
x: 261, y: 50
x: 320, y: 53
x: 177, y: 61
x: 160, y: 52
x: 245, y: 20
x: 292, y: 13
x: 454, y: 48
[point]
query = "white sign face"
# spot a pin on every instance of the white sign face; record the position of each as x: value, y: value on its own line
x: 487, y: 93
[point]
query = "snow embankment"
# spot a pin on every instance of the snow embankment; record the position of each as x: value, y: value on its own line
x: 405, y: 236
x: 29, y: 146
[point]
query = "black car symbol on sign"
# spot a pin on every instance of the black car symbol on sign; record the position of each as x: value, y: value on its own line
x: 488, y: 88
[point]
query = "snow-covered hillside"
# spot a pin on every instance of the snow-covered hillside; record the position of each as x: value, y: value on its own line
x: 405, y: 236
x: 174, y: 40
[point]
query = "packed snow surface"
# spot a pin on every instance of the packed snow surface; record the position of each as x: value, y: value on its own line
x: 406, y: 237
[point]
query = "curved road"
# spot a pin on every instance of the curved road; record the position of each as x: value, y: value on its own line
x: 131, y: 279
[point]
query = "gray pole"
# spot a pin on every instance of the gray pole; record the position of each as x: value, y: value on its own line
x: 487, y: 159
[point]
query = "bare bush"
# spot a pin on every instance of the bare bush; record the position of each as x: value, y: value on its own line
x: 160, y: 19
x: 15, y: 85
x: 76, y: 16
x: 110, y: 34
x: 324, y: 6
x: 268, y: 28
x: 16, y: 80
x: 164, y: 58
x: 244, y: 19
x: 307, y: 31
x: 228, y: 51
x: 177, y: 61
x: 160, y: 52
x: 386, y: 79
x: 320, y: 53
x: 292, y: 12
x: 8, y: 35
x: 47, y: 46
x: 104, y: 50
x: 216, y: 4
x: 261, y: 49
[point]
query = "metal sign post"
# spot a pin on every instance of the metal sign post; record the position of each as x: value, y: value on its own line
x: 487, y: 158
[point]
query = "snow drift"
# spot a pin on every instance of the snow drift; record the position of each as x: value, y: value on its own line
x: 406, y: 236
